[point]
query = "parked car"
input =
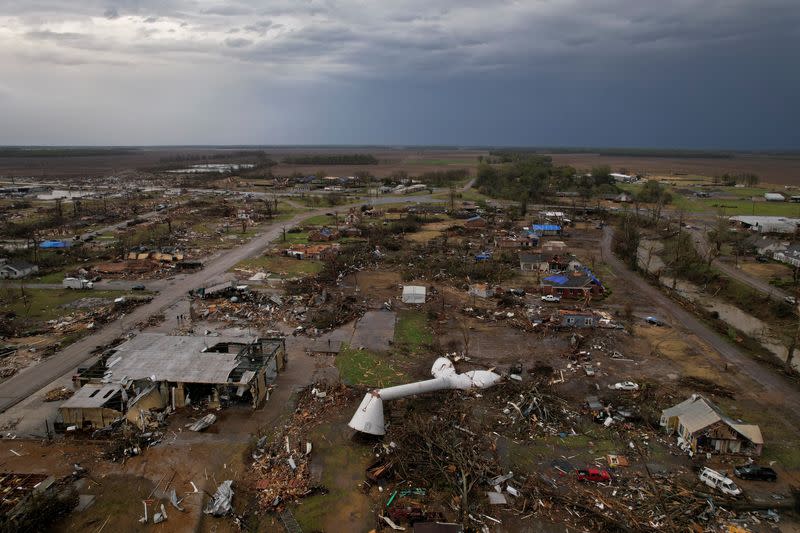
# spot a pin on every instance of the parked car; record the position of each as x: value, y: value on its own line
x: 762, y: 259
x: 624, y: 385
x: 654, y: 321
x: 551, y: 298
x: 594, y: 474
x: 138, y: 287
x: 758, y: 473
x: 790, y: 300
x: 718, y: 481
x: 516, y: 292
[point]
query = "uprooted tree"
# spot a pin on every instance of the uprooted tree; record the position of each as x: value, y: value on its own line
x: 444, y: 451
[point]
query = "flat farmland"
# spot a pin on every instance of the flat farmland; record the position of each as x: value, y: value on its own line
x: 779, y: 170
x: 415, y: 162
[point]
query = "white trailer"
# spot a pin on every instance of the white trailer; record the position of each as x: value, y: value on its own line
x: 77, y: 283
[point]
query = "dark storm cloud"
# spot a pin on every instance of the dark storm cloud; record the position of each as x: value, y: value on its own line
x: 689, y: 67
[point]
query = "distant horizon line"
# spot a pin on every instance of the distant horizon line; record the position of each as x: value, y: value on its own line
x: 459, y: 147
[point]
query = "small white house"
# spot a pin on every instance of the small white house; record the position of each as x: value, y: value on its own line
x: 774, y: 197
x: 413, y: 294
x: 17, y: 270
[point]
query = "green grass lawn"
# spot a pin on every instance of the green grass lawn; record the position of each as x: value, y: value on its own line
x: 58, y: 275
x: 412, y: 329
x: 282, y: 265
x: 362, y: 367
x: 735, y: 207
x: 46, y: 304
x: 300, y: 237
x: 319, y: 220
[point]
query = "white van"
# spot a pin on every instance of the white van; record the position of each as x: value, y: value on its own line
x: 714, y: 479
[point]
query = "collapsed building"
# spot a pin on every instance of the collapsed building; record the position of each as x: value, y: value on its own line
x: 703, y: 426
x: 153, y: 371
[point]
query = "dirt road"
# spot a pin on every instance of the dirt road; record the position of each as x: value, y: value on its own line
x: 34, y: 378
x: 765, y: 378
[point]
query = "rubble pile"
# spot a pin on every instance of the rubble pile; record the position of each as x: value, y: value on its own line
x: 319, y: 312
x: 442, y: 445
x: 530, y: 409
x: 125, y: 440
x: 639, y: 502
x: 282, y: 464
x: 58, y: 394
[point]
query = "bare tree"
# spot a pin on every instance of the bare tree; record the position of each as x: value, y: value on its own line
x: 463, y: 327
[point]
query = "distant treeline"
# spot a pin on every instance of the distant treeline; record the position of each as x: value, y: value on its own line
x: 331, y: 159
x: 443, y: 178
x: 62, y: 152
x: 177, y: 158
x: 625, y: 152
x: 533, y: 177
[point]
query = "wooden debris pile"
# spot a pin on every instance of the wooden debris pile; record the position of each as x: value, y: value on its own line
x: 282, y: 463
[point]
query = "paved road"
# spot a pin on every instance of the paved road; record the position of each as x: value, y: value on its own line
x: 768, y: 379
x: 470, y: 184
x: 103, y: 285
x: 703, y: 246
x: 30, y: 380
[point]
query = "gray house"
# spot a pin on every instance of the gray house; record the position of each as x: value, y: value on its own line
x: 567, y: 318
x: 17, y: 270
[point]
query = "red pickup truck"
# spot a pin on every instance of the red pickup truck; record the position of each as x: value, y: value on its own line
x: 594, y: 474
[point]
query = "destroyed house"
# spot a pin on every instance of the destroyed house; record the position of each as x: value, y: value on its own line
x: 182, y: 369
x: 16, y: 490
x: 547, y: 262
x: 475, y: 222
x: 568, y: 318
x: 706, y: 429
x: 575, y: 284
x: 323, y: 235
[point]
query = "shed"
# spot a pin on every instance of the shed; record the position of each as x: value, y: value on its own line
x: 94, y: 405
x: 413, y: 294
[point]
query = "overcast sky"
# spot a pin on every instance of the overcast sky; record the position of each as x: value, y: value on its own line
x: 666, y: 73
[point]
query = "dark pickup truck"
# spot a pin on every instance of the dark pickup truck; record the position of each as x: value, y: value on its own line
x: 759, y: 473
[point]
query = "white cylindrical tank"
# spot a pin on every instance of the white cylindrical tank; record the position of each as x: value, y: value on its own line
x: 368, y: 418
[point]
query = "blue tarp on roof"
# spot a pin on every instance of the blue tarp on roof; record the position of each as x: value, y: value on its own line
x: 546, y: 227
x: 53, y: 244
x: 557, y: 279
x: 592, y: 276
x: 484, y: 256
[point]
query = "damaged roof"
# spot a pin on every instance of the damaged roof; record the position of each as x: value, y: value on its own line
x: 177, y: 358
x: 697, y: 413
x: 92, y: 396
